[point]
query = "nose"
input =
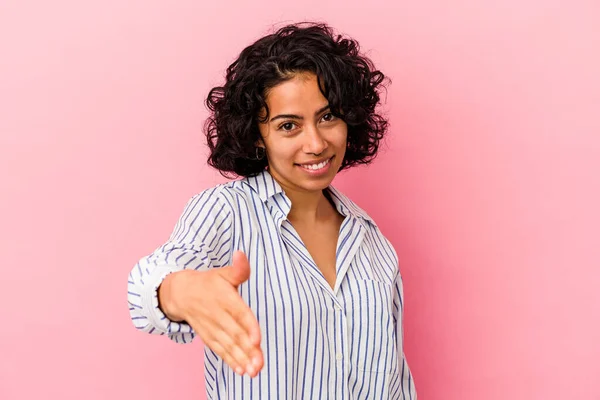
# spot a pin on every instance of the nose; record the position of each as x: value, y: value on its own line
x: 314, y: 141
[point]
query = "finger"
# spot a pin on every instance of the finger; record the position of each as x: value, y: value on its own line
x: 257, y: 362
x: 235, y: 350
x: 240, y: 312
x: 219, y: 342
x: 244, y: 316
x: 245, y: 321
x: 241, y: 339
x: 241, y: 324
x: 226, y: 356
x: 238, y: 272
x: 227, y: 340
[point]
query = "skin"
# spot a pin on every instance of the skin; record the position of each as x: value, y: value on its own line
x: 300, y: 130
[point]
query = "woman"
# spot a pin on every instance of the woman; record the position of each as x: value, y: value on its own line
x: 291, y: 286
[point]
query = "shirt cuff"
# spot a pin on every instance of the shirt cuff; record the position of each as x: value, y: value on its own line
x: 157, y: 319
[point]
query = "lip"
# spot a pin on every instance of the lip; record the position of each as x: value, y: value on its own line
x: 316, y: 172
x: 320, y: 160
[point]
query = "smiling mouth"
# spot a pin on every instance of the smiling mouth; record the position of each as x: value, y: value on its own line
x: 316, y: 166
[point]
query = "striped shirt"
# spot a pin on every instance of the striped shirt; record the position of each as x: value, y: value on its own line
x: 317, y: 342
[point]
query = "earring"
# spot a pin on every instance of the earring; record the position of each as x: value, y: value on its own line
x: 260, y: 153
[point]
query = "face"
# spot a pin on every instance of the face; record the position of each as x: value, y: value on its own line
x: 305, y: 144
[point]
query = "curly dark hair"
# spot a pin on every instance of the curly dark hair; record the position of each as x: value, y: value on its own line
x: 347, y: 78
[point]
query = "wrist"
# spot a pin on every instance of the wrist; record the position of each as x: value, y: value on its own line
x: 168, y: 293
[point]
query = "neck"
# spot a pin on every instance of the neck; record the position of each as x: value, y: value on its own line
x: 307, y: 207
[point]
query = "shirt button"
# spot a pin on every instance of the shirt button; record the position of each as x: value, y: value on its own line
x: 338, y: 308
x: 339, y: 356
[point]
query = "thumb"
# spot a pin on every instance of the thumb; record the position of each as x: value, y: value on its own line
x: 239, y: 270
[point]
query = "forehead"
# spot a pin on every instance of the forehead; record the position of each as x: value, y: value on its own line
x: 296, y: 94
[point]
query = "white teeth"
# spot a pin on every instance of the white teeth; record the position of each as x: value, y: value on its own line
x: 317, y: 166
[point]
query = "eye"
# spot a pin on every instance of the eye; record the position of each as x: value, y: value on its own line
x: 328, y: 117
x: 287, y: 126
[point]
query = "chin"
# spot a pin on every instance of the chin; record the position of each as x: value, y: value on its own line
x: 315, y: 186
x: 314, y: 183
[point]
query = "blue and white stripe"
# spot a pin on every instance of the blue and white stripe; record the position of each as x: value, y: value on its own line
x: 318, y: 342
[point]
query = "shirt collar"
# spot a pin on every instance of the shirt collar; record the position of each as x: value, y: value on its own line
x: 264, y: 184
x: 267, y: 187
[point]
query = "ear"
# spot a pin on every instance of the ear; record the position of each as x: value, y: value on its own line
x: 260, y: 143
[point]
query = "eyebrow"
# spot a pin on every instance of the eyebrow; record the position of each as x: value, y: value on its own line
x: 294, y: 116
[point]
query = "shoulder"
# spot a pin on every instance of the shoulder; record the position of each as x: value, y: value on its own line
x: 236, y: 193
x: 205, y: 214
x: 208, y: 196
x: 226, y: 196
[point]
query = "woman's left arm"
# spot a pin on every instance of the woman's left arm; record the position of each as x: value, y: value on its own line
x: 406, y: 389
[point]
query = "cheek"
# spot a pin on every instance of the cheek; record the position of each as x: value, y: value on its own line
x: 280, y: 152
x: 341, y: 137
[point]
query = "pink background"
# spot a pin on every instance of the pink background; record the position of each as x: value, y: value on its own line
x: 489, y: 185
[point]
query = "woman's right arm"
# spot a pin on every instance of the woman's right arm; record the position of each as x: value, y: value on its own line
x: 200, y: 241
x: 189, y: 286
